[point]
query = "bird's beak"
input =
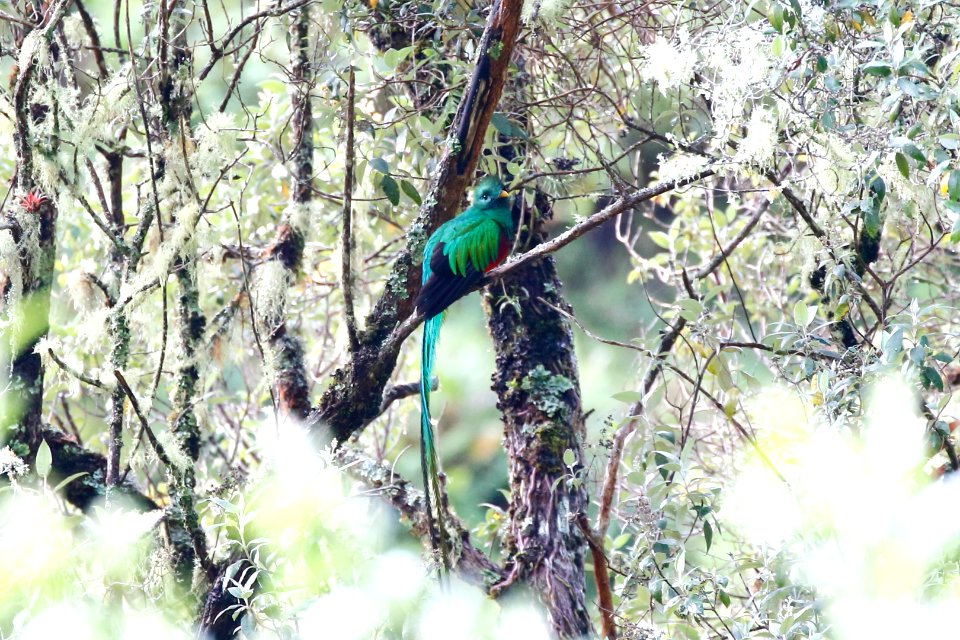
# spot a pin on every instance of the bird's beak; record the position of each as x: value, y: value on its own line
x: 504, y: 194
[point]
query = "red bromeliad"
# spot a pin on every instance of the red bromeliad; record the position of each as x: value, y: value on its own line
x: 32, y: 202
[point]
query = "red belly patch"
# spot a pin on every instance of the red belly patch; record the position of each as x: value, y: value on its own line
x: 504, y: 251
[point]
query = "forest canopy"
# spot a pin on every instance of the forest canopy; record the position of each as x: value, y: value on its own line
x: 707, y: 395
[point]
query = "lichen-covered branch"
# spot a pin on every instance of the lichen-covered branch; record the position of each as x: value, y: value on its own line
x: 346, y: 228
x: 284, y: 254
x: 33, y: 227
x: 175, y: 101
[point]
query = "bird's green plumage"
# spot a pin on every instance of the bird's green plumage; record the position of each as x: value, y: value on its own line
x: 454, y: 259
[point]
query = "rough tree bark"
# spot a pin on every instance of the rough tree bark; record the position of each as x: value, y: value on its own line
x: 538, y: 392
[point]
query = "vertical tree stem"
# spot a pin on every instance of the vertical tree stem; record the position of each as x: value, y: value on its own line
x: 346, y: 240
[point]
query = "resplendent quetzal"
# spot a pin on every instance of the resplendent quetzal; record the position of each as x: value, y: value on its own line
x: 455, y: 258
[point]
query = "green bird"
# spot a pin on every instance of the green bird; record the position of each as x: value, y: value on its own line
x: 454, y: 261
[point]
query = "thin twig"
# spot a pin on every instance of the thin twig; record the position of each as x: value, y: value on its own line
x: 608, y: 627
x: 253, y: 312
x: 821, y: 235
x: 218, y: 51
x: 144, y: 424
x: 93, y: 382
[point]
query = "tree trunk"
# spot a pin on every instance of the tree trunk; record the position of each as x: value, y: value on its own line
x: 537, y: 384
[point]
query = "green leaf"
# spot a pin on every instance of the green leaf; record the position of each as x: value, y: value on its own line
x: 662, y: 546
x: 879, y: 68
x: 502, y: 124
x: 949, y: 141
x: 620, y: 540
x: 953, y: 185
x: 914, y: 152
x: 411, y: 191
x: 390, y: 58
x: 569, y: 458
x: 776, y: 18
x: 909, y: 87
x: 724, y: 597
x: 627, y: 397
x: 380, y: 165
x: 506, y: 128
x: 391, y: 189
x: 660, y: 239
x: 393, y: 57
x: 931, y: 378
x: 917, y: 354
x: 801, y: 314
x: 708, y: 533
x: 44, y: 460
x: 226, y: 505
x: 68, y: 480
x: 955, y: 231
x: 878, y: 188
x: 690, y: 309
x: 821, y: 64
x: 872, y: 223
x: 903, y: 165
x: 777, y: 47
x: 894, y: 344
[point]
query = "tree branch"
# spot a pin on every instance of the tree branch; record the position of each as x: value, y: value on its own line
x: 621, y: 205
x: 346, y: 237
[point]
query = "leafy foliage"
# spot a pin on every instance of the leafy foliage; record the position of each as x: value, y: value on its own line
x: 745, y: 482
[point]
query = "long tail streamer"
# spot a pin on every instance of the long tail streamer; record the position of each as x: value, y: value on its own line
x: 428, y: 451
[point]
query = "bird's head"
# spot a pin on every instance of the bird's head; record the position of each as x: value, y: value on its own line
x: 489, y: 193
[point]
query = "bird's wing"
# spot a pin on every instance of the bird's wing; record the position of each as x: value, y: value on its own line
x: 457, y: 262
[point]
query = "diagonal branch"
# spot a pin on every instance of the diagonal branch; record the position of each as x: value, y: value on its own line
x: 621, y: 205
x: 821, y: 235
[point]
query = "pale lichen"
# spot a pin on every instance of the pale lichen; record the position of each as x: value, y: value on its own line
x: 270, y: 293
x: 546, y: 390
x: 679, y: 165
x: 216, y: 143
x: 669, y: 63
x: 756, y: 148
x: 174, y: 450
